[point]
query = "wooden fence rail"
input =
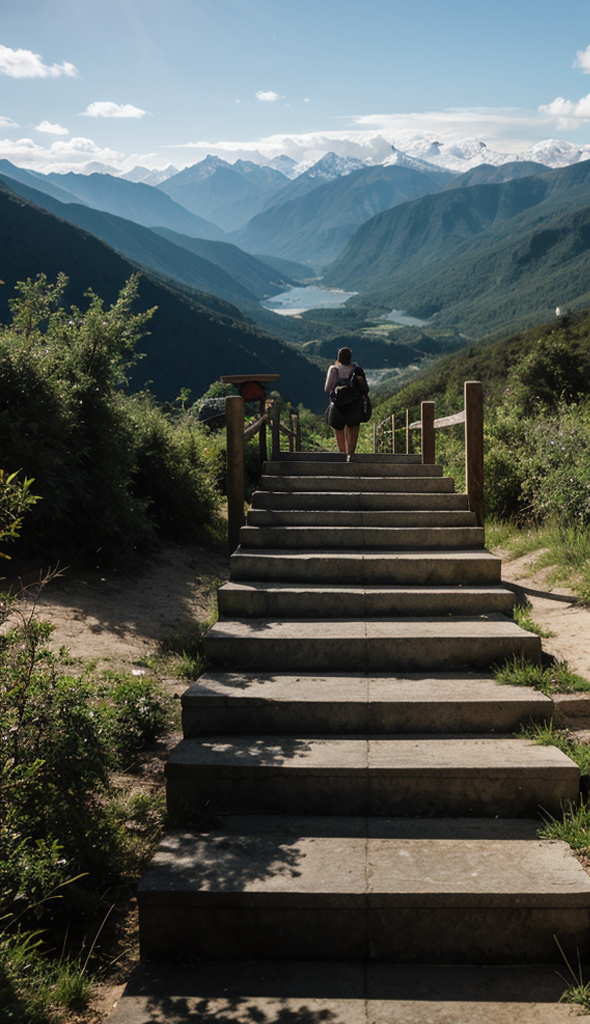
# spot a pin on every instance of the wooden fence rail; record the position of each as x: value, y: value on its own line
x: 236, y: 437
x: 472, y: 416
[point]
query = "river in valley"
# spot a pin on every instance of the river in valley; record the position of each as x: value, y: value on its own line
x: 299, y: 300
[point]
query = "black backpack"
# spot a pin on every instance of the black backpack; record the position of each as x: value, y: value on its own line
x: 350, y: 391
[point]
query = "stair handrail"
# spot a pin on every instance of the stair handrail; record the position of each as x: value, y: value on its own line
x: 236, y: 437
x: 277, y: 428
x: 472, y: 416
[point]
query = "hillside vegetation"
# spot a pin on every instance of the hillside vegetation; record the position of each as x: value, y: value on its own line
x: 536, y: 433
x: 193, y: 337
x: 481, y: 258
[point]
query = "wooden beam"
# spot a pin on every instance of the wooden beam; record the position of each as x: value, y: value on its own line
x: 427, y: 424
x: 234, y: 424
x: 474, y: 448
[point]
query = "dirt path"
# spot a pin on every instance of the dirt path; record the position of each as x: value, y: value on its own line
x: 119, y: 618
x: 554, y: 609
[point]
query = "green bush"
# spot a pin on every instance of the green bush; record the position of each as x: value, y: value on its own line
x: 115, y: 471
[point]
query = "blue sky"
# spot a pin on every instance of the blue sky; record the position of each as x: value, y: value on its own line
x: 166, y: 81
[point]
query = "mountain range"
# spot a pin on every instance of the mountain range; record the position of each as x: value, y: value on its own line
x: 483, y: 256
x: 496, y: 246
x: 194, y: 338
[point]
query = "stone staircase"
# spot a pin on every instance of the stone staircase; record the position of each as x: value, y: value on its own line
x: 348, y: 765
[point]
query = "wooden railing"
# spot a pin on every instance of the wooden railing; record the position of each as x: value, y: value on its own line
x: 472, y: 416
x: 236, y: 437
x: 277, y: 428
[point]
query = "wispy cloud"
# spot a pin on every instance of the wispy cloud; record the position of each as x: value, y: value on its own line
x: 26, y: 64
x: 51, y: 129
x: 267, y: 97
x: 582, y: 60
x: 370, y: 136
x: 7, y: 122
x: 105, y: 108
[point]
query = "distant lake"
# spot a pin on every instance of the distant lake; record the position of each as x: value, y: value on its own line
x: 299, y: 300
x: 398, y: 317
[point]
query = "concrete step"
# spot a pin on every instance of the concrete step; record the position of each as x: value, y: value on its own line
x: 380, y: 538
x: 386, y: 775
x: 380, y: 645
x: 365, y: 469
x: 304, y: 601
x: 360, y: 501
x: 342, y: 992
x: 434, y: 892
x: 399, y: 568
x: 392, y: 482
x: 248, y: 702
x: 358, y: 457
x: 343, y: 518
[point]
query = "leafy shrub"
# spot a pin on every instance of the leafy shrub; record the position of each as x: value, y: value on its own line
x: 115, y: 471
x: 140, y: 713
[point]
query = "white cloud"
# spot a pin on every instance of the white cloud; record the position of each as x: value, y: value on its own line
x: 104, y: 108
x: 267, y: 97
x: 566, y: 113
x: 51, y: 129
x: 582, y: 60
x: 7, y: 122
x: 70, y: 155
x: 26, y: 64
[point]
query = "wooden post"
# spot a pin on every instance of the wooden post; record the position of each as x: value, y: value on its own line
x: 276, y: 431
x: 393, y: 433
x: 375, y: 438
x: 234, y: 423
x: 262, y: 435
x: 428, y: 446
x: 474, y: 448
x: 296, y: 432
x: 408, y: 441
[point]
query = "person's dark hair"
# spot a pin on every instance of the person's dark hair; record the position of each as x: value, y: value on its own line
x: 345, y: 356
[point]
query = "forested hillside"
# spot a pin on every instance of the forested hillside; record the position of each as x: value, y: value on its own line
x: 193, y: 339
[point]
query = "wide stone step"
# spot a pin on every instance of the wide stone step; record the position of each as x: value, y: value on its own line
x: 380, y: 538
x: 399, y: 568
x: 342, y: 518
x: 405, y: 644
x: 386, y: 775
x: 360, y: 501
x: 304, y: 601
x: 358, y: 457
x: 353, y: 468
x: 345, y: 993
x: 427, y: 484
x: 247, y: 702
x: 445, y: 892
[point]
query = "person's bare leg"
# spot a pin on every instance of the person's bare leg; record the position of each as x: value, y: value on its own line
x: 352, y: 436
x: 340, y: 440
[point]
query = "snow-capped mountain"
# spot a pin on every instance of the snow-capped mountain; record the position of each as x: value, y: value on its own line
x: 329, y: 167
x: 147, y: 177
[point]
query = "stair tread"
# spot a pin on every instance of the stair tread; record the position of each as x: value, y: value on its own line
x: 413, y: 755
x: 341, y: 630
x: 364, y: 588
x: 292, y: 861
x: 220, y: 688
x: 350, y: 993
